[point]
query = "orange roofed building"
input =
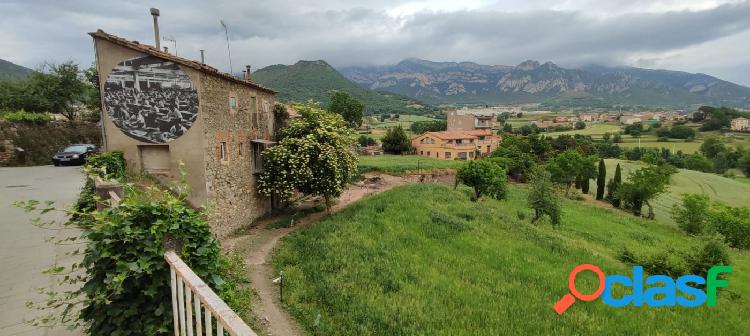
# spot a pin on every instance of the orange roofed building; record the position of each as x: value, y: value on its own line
x: 456, y: 145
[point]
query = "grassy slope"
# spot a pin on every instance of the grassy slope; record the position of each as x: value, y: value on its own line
x: 317, y: 80
x: 383, y: 266
x: 717, y: 187
x: 395, y: 164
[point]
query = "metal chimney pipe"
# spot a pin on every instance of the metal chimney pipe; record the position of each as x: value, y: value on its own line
x: 155, y: 14
x: 166, y: 50
x: 203, y: 58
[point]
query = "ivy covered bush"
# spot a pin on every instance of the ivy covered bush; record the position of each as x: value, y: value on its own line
x: 122, y: 284
x: 107, y: 165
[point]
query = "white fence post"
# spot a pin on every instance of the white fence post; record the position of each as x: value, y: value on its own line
x: 192, y: 291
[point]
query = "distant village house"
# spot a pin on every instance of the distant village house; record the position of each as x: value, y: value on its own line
x: 456, y: 145
x: 740, y: 124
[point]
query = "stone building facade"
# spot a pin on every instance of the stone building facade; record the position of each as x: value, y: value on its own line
x: 165, y: 112
x: 469, y: 120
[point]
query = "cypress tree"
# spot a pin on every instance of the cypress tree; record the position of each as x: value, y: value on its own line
x: 615, y: 184
x: 600, y: 180
x: 585, y: 186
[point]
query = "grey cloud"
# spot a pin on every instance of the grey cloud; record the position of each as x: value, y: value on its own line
x: 267, y: 32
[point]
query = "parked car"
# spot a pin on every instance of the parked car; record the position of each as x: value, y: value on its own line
x: 73, y: 154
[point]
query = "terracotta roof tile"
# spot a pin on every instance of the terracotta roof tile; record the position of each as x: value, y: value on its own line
x: 147, y: 49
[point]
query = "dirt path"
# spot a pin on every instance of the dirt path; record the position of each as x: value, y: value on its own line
x: 257, y: 244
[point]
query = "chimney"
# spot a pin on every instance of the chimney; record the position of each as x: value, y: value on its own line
x: 166, y: 50
x: 155, y: 14
x: 247, y: 72
x: 203, y: 58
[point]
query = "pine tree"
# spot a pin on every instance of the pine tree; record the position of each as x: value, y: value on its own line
x: 600, y: 180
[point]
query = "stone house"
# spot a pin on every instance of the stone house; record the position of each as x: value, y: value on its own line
x: 164, y: 112
x: 468, y: 120
x: 456, y: 145
x: 740, y: 124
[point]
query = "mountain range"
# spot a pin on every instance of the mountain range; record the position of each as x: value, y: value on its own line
x: 317, y: 80
x: 547, y: 83
x: 9, y: 70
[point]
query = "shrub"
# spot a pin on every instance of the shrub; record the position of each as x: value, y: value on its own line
x: 108, y: 165
x: 22, y: 116
x: 365, y: 141
x: 713, y: 252
x: 681, y: 132
x: 486, y: 177
x: 543, y: 198
x: 692, y: 215
x: 733, y: 223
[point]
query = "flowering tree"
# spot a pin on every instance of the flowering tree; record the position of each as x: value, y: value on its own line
x: 312, y: 156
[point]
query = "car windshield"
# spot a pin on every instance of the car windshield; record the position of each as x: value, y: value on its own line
x: 75, y: 148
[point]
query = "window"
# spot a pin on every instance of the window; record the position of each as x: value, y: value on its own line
x: 428, y: 153
x: 155, y: 159
x: 232, y: 104
x: 448, y: 155
x: 240, y: 147
x: 223, y: 151
x: 421, y: 152
x: 257, y: 158
x: 253, y: 112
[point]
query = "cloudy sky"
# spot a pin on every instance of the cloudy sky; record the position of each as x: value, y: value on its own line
x: 710, y: 36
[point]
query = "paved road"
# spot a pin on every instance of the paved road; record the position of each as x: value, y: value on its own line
x: 24, y: 253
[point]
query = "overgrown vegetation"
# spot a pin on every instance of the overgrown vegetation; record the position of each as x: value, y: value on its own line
x: 121, y: 286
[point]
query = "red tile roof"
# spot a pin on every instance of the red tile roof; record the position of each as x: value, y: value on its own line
x: 147, y: 49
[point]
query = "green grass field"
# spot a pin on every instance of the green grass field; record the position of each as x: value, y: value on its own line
x: 718, y: 188
x: 650, y: 141
x: 596, y: 131
x: 423, y: 259
x: 396, y: 164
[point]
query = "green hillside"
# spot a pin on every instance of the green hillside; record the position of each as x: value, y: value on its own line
x: 717, y: 188
x: 317, y: 80
x: 424, y: 259
x: 9, y: 70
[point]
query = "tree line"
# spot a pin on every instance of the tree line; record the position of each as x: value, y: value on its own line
x: 62, y: 88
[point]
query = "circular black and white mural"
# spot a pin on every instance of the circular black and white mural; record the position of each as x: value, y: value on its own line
x: 151, y: 99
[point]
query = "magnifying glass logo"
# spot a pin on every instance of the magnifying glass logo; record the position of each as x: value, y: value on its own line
x: 568, y: 299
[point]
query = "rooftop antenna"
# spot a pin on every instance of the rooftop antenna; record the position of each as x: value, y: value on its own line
x: 174, y: 41
x: 155, y: 14
x: 226, y: 33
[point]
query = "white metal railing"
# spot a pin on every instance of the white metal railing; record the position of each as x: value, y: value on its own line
x: 191, y: 296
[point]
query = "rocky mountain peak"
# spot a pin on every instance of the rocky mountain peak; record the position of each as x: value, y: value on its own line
x: 528, y: 65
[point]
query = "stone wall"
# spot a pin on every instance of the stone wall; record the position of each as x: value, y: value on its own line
x: 40, y: 141
x: 232, y: 195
